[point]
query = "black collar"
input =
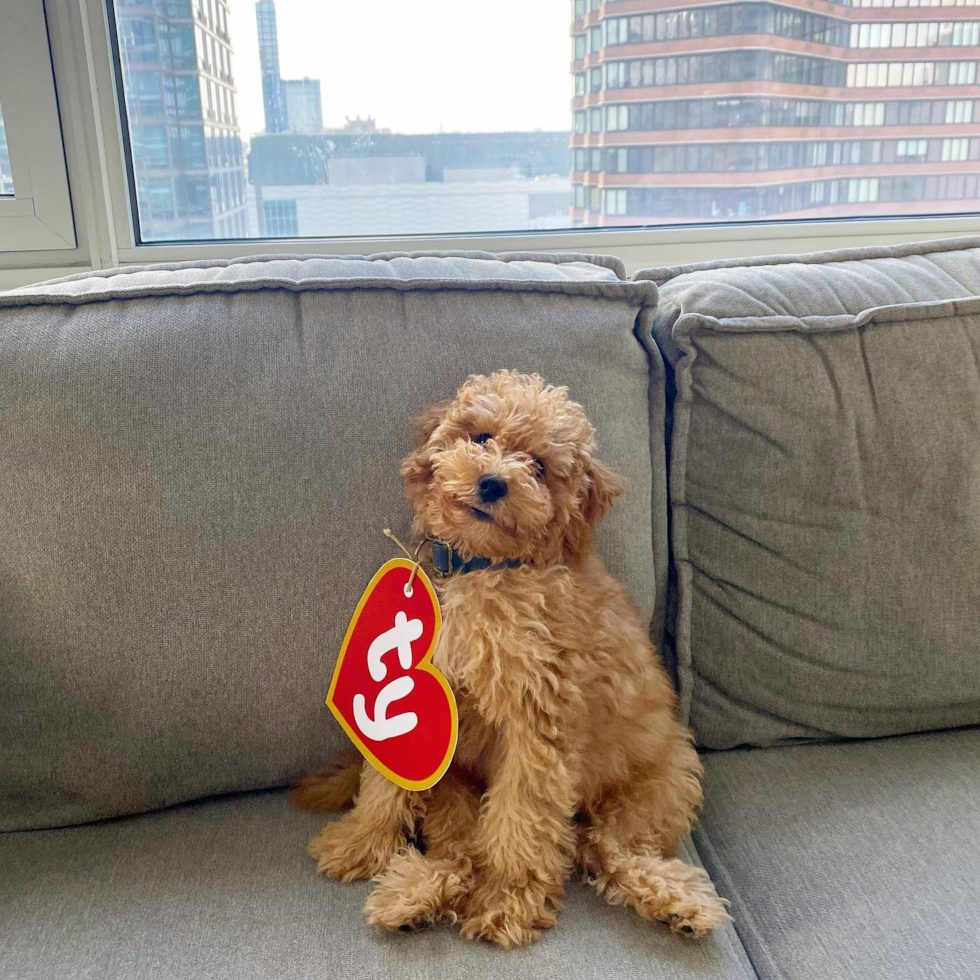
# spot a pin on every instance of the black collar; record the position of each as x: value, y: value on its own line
x: 448, y: 561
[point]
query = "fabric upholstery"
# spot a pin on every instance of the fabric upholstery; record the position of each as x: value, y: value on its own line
x: 224, y: 890
x: 825, y: 491
x: 853, y: 861
x: 198, y: 462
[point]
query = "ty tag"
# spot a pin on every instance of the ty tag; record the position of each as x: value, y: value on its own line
x: 396, y: 707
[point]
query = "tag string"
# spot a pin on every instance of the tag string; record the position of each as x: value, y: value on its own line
x: 411, y: 557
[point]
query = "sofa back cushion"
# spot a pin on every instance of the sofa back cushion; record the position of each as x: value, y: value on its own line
x: 198, y: 461
x: 825, y: 492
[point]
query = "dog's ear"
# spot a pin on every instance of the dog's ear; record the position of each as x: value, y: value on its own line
x: 602, y: 486
x: 415, y: 467
x: 428, y: 422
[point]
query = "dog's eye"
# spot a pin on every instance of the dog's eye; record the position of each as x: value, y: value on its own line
x: 482, y: 437
x: 539, y: 469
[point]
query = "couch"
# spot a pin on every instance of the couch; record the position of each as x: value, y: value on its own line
x: 198, y: 460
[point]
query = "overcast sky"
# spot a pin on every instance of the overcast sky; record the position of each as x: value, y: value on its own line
x: 417, y: 67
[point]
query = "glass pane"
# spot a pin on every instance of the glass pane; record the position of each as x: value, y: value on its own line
x: 292, y: 118
x: 6, y: 178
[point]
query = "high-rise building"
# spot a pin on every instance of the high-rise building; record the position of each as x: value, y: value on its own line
x: 796, y: 109
x: 291, y: 106
x: 180, y: 104
x: 304, y: 113
x: 273, y: 99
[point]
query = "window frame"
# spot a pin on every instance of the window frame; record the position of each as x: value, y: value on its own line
x: 39, y: 215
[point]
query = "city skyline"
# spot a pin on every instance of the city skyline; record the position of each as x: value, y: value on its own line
x: 665, y: 112
x: 403, y: 86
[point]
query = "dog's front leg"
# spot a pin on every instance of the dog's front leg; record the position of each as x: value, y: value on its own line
x: 525, y: 838
x: 362, y: 842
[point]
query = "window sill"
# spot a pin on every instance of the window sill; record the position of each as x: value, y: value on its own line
x: 637, y: 248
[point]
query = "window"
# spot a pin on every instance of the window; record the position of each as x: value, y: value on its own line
x: 188, y: 144
x: 280, y: 219
x: 142, y: 39
x: 35, y: 206
x: 6, y: 177
x: 225, y: 103
x: 614, y: 202
x: 150, y: 145
x: 158, y: 197
x: 194, y: 198
x: 177, y: 47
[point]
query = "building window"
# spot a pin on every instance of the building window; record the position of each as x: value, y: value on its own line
x: 955, y: 150
x: 614, y: 202
x: 193, y: 196
x: 150, y: 146
x: 157, y: 198
x: 142, y: 40
x: 188, y: 144
x: 177, y: 45
x: 280, y: 219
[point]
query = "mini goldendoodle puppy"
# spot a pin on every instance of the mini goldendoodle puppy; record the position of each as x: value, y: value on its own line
x: 570, y: 751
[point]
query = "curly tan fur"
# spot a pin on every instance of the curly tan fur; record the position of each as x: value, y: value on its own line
x: 570, y: 751
x: 330, y: 790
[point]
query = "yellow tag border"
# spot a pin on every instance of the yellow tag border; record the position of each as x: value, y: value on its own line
x: 424, y: 665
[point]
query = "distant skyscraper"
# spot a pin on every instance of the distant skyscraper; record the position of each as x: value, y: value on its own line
x: 291, y: 106
x: 276, y: 118
x: 180, y: 103
x: 303, y: 111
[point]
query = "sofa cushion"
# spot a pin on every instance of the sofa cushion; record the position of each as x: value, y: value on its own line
x: 854, y: 861
x: 825, y: 490
x: 198, y: 461
x: 224, y: 890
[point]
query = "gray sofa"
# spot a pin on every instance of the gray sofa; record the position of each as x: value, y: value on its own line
x: 198, y: 460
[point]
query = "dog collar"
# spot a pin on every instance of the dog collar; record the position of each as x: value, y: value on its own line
x: 448, y: 561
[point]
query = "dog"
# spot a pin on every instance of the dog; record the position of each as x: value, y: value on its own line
x: 570, y: 752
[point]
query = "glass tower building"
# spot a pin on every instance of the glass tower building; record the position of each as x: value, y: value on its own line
x: 187, y: 156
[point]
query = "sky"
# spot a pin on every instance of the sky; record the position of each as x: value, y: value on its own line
x: 417, y: 66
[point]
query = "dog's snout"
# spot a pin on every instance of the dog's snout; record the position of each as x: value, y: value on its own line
x: 491, y: 489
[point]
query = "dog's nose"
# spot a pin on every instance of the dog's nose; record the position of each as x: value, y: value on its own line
x: 491, y: 488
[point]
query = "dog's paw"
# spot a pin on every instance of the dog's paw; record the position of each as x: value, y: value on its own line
x: 342, y: 850
x: 508, y: 916
x: 388, y: 909
x: 689, y: 905
x: 695, y: 918
x: 665, y: 890
x: 696, y: 908
x: 414, y: 892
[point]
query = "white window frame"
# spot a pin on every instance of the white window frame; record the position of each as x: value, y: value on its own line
x: 39, y: 215
x: 94, y: 142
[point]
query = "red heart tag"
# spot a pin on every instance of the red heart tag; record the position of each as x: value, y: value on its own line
x: 396, y: 707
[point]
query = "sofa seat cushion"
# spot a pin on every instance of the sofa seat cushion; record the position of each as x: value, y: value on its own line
x: 198, y: 461
x: 850, y: 861
x: 224, y: 890
x: 825, y: 491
